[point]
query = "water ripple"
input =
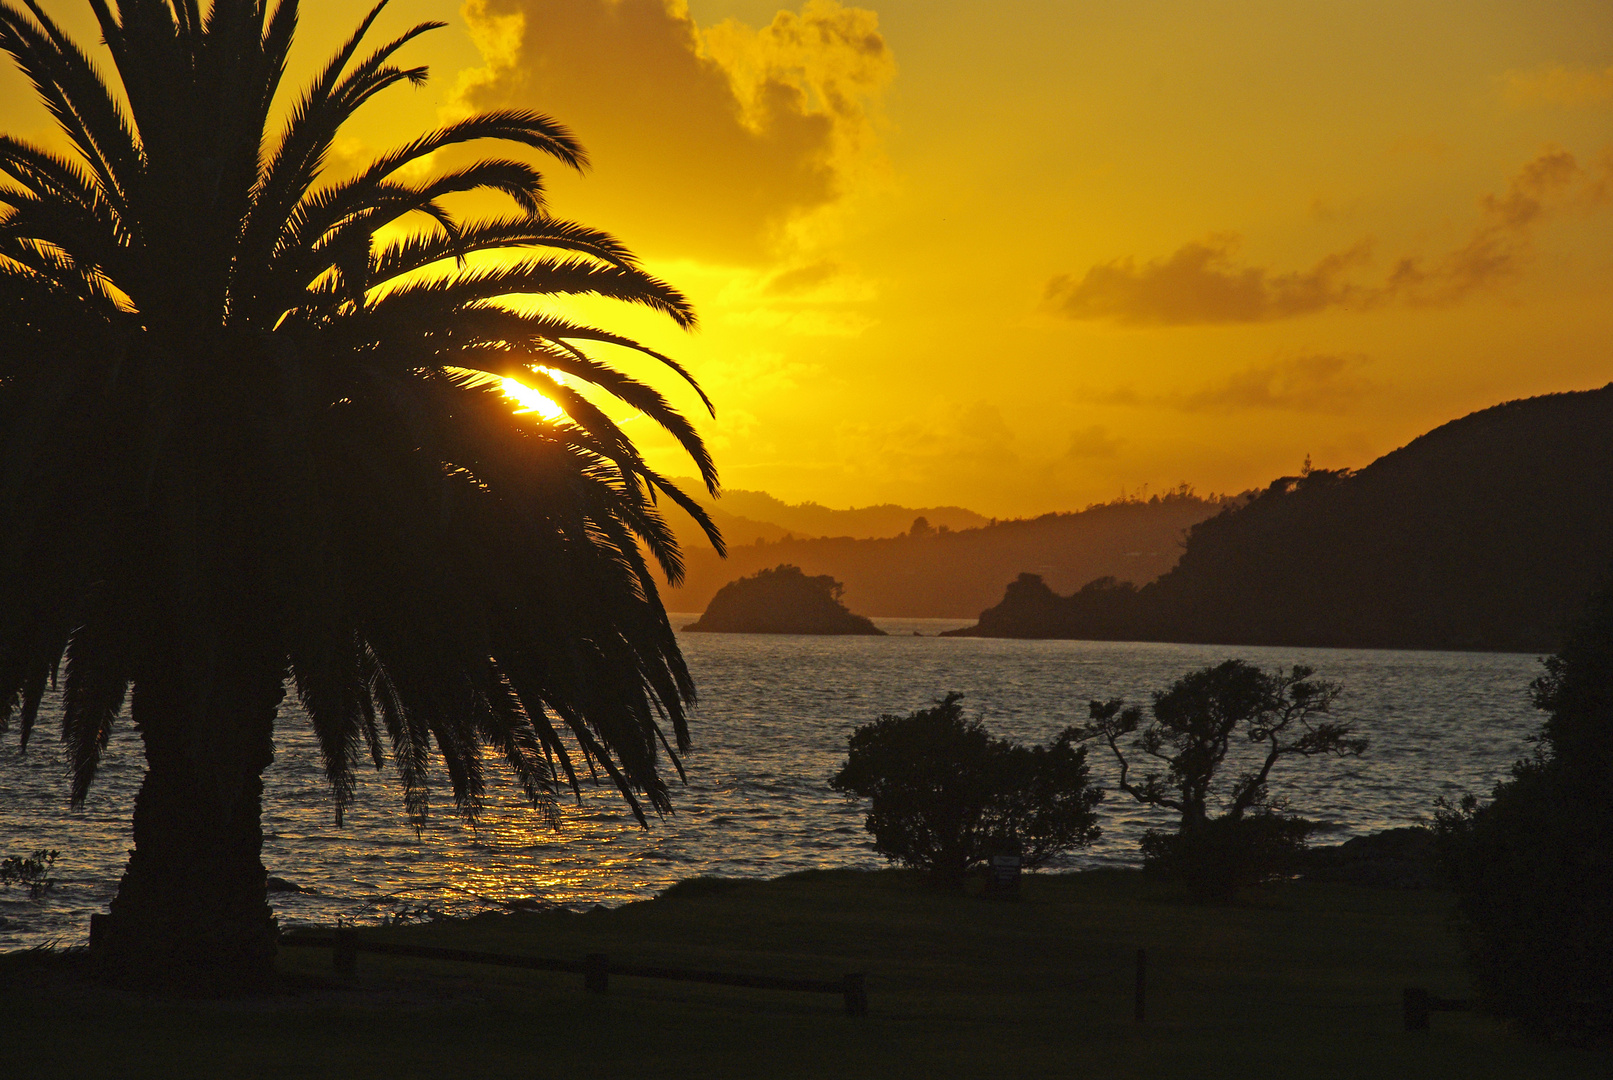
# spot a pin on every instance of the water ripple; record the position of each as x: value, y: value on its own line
x: 771, y: 727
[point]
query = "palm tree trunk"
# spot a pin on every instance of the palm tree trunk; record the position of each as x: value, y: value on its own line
x: 192, y: 909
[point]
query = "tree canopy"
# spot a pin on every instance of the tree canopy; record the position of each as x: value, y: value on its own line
x: 945, y: 796
x: 1533, y: 866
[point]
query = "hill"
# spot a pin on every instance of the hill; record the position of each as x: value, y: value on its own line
x: 1486, y: 533
x: 934, y: 571
x: 747, y: 516
x: 782, y: 601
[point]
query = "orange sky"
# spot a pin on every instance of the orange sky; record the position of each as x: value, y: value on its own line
x: 1022, y: 256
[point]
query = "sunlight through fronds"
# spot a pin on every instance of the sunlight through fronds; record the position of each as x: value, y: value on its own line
x: 531, y: 400
x: 254, y: 417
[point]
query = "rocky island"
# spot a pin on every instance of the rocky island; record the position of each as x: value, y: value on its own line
x: 782, y: 600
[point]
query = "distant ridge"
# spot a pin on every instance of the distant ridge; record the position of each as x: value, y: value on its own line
x: 748, y: 516
x: 1485, y: 533
x: 933, y: 571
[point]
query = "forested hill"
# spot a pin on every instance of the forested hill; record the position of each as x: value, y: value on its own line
x: 748, y: 516
x: 1486, y: 533
x: 935, y: 572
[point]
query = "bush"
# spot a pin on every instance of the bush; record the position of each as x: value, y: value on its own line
x: 1225, y: 854
x: 944, y: 796
x: 1533, y: 869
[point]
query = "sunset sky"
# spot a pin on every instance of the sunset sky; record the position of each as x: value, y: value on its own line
x: 1024, y: 256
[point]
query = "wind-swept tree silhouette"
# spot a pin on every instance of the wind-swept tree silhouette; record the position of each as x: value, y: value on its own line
x: 251, y: 426
x: 1196, y: 723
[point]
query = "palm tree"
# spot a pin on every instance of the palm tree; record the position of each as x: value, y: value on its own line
x: 251, y: 428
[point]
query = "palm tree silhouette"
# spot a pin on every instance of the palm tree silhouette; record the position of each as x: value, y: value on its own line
x: 250, y: 426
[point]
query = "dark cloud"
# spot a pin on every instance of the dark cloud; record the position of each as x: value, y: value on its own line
x: 703, y: 140
x: 1499, y: 247
x: 1092, y: 442
x: 1202, y: 283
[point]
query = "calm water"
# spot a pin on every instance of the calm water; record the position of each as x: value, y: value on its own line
x: 771, y: 727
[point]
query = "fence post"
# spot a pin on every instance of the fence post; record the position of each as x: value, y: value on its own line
x: 1140, y: 1002
x: 856, y: 995
x: 1415, y: 1005
x: 344, y: 950
x: 595, y: 973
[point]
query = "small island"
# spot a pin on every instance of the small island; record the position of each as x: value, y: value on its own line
x: 782, y: 600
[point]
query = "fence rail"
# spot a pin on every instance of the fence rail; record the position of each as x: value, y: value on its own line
x: 345, y: 945
x: 1417, y: 1003
x: 596, y: 970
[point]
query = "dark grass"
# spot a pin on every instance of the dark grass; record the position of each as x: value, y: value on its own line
x: 1297, y: 981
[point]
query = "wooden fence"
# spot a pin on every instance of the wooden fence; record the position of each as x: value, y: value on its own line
x: 596, y: 969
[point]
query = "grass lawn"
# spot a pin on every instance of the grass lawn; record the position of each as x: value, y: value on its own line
x: 1298, y: 981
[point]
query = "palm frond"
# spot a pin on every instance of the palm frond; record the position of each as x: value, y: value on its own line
x: 510, y: 125
x: 219, y: 393
x: 326, y: 671
x: 420, y: 250
x: 76, y: 96
x: 493, y: 323
x: 294, y: 165
x: 97, y: 681
x: 540, y: 276
x: 510, y: 363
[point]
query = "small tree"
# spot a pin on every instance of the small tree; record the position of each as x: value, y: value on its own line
x: 944, y: 795
x: 1195, y: 724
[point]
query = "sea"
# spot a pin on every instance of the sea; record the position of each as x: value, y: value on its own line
x: 769, y: 729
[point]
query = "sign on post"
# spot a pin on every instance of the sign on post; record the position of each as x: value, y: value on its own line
x: 1002, y: 877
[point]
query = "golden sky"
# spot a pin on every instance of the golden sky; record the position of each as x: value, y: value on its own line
x: 1023, y: 256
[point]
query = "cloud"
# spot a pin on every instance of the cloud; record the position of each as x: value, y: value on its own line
x: 802, y: 278
x: 1308, y: 383
x: 1499, y: 245
x: 816, y: 298
x: 1321, y: 383
x: 1567, y: 87
x: 1203, y: 284
x: 1092, y: 442
x: 705, y: 141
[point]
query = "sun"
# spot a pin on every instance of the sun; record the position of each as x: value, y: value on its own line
x: 530, y: 400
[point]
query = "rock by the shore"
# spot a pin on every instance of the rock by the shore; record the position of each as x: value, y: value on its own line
x: 782, y: 601
x: 1392, y: 859
x: 280, y: 884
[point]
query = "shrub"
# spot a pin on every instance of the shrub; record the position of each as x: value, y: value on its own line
x: 945, y: 796
x: 1225, y: 854
x: 1533, y: 868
